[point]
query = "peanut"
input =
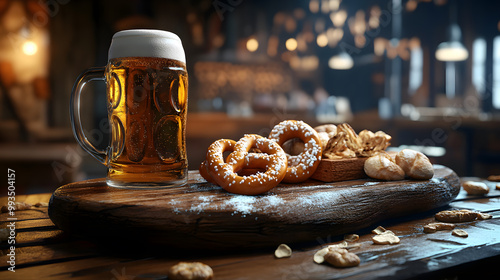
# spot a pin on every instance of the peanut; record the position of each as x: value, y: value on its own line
x: 384, y: 237
x: 475, y: 188
x: 191, y: 271
x: 351, y: 237
x: 341, y: 258
x: 460, y: 233
x: 433, y: 227
x: 320, y: 254
x: 456, y: 216
x: 283, y: 251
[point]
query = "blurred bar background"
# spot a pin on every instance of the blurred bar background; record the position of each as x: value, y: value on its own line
x: 427, y: 72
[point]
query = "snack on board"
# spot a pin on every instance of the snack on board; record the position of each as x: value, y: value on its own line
x: 343, y: 142
x: 384, y: 237
x: 283, y: 251
x: 406, y: 162
x: 325, y: 132
x: 460, y: 233
x: 415, y: 164
x: 456, y: 216
x: 433, y: 227
x: 383, y: 167
x: 224, y: 172
x: 475, y: 188
x: 341, y: 258
x: 301, y: 166
x: 319, y: 256
x: 190, y: 271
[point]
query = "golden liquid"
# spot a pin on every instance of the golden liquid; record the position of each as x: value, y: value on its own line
x: 147, y: 107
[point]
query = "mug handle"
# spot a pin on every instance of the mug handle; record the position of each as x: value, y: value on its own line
x: 91, y: 74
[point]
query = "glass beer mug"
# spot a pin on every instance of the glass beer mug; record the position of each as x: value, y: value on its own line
x: 147, y: 92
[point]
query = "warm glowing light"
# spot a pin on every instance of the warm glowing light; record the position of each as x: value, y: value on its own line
x: 325, y: 7
x: 319, y: 25
x: 314, y: 6
x: 307, y: 63
x: 342, y: 61
x: 337, y: 34
x: 379, y: 46
x: 290, y: 25
x: 411, y: 5
x: 299, y: 13
x: 291, y: 44
x: 301, y: 43
x: 272, y: 45
x: 322, y: 40
x: 338, y: 18
x: 29, y: 48
x: 373, y: 22
x: 360, y: 41
x: 334, y: 5
x: 451, y: 51
x: 357, y: 24
x: 252, y: 44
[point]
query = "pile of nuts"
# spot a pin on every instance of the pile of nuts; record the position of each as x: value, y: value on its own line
x: 448, y: 217
x: 384, y: 237
x: 191, y: 271
x: 338, y: 255
x: 342, y: 141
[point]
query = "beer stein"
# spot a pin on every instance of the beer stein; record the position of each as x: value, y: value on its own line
x: 147, y: 92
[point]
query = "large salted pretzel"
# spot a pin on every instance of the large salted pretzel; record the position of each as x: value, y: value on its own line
x: 224, y: 173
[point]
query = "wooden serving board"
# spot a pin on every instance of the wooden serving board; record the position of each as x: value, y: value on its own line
x: 202, y: 215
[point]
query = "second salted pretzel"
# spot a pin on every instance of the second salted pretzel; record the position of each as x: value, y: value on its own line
x: 303, y: 165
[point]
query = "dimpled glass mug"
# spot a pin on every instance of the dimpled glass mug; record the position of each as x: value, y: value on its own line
x: 147, y: 91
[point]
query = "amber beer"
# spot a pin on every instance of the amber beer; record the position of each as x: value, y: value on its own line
x: 147, y: 92
x: 148, y: 119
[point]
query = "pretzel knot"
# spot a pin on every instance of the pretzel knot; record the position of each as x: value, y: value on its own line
x: 303, y: 165
x: 224, y: 172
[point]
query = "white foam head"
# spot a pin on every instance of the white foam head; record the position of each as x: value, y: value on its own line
x: 146, y: 43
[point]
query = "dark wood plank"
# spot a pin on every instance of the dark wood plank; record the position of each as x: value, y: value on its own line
x: 30, y: 225
x: 428, y: 255
x: 36, y: 255
x: 202, y: 215
x: 25, y: 215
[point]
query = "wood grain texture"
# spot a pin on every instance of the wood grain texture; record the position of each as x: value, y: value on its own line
x: 330, y: 170
x: 202, y: 215
x: 419, y: 255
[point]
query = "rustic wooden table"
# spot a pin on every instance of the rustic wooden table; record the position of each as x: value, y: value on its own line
x: 42, y: 251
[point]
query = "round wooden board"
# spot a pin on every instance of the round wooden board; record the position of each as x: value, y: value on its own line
x: 202, y: 215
